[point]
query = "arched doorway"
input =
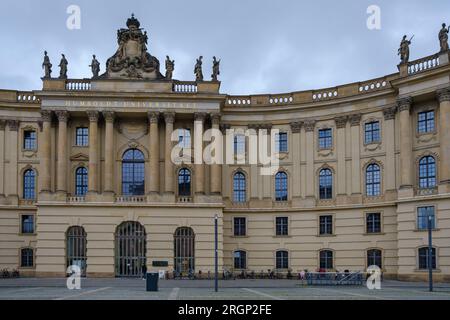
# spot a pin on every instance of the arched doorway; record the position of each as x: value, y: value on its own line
x: 184, y: 250
x: 76, y: 247
x: 130, y: 249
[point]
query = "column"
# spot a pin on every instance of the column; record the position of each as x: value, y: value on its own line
x: 45, y: 147
x: 341, y: 124
x: 444, y: 138
x: 2, y: 158
x: 389, y: 140
x: 93, y: 152
x: 153, y: 118
x: 310, y: 171
x: 355, y: 121
x: 61, y: 181
x: 199, y: 119
x: 216, y: 169
x: 404, y: 105
x: 168, y: 164
x: 11, y: 168
x: 109, y: 117
x: 295, y: 153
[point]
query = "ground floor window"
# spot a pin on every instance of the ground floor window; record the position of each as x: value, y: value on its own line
x: 76, y: 248
x: 240, y: 259
x: 326, y: 259
x: 374, y: 258
x: 424, y: 256
x: 26, y: 257
x: 184, y: 250
x: 131, y: 247
x: 282, y: 259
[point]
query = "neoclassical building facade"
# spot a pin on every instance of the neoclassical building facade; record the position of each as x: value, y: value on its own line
x: 86, y: 175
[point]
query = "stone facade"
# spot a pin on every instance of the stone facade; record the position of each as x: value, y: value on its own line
x: 377, y: 122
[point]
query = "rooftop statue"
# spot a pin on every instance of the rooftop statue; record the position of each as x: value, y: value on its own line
x: 198, y: 69
x: 63, y: 67
x: 95, y: 67
x: 443, y: 37
x: 216, y: 69
x: 403, y: 51
x: 131, y: 60
x: 170, y: 66
x: 47, y: 66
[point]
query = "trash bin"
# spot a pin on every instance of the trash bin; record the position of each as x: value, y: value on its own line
x: 152, y: 281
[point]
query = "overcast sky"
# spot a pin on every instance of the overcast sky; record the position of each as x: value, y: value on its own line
x: 265, y: 46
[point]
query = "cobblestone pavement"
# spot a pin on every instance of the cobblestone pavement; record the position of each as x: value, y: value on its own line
x: 134, y: 289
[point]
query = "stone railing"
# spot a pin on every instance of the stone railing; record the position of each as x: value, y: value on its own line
x: 423, y: 64
x: 76, y: 199
x: 374, y: 85
x: 131, y: 199
x: 184, y: 199
x: 426, y: 191
x: 78, y: 85
x: 27, y: 97
x: 27, y: 202
x: 281, y: 99
x: 325, y: 94
x: 185, y: 87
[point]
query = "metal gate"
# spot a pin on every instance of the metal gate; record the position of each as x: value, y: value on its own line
x: 184, y: 250
x: 130, y: 249
x: 76, y: 245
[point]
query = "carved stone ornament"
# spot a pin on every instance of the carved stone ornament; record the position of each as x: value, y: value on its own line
x: 93, y: 116
x: 169, y: 117
x: 131, y: 60
x: 404, y: 104
x: 355, y: 119
x: 199, y: 116
x: 224, y: 127
x: 46, y: 115
x: 215, y: 119
x: 62, y: 115
x: 443, y: 95
x: 153, y: 117
x: 296, y: 126
x: 13, y: 125
x: 109, y: 116
x: 341, y: 122
x: 2, y: 124
x: 310, y: 125
x: 389, y: 113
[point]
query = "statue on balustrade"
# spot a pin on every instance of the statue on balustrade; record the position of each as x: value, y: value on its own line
x: 63, y: 67
x: 198, y: 69
x: 170, y: 67
x: 95, y: 67
x: 443, y: 37
x: 216, y: 69
x: 47, y: 66
x: 403, y: 51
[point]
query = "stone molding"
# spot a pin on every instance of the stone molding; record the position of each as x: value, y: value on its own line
x: 341, y: 122
x: 93, y: 116
x: 404, y: 104
x: 389, y: 113
x: 355, y: 119
x: 296, y: 126
x: 310, y: 125
x: 169, y: 117
x: 13, y: 125
x: 62, y: 115
x: 109, y: 116
x: 153, y: 117
x: 443, y: 94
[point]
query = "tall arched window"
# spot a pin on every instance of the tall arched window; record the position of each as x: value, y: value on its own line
x: 184, y: 182
x: 373, y: 180
x: 81, y: 181
x: 281, y: 186
x: 374, y: 258
x: 325, y: 184
x: 133, y: 173
x: 239, y: 187
x: 184, y: 247
x: 29, y: 184
x: 427, y: 172
x: 76, y: 248
x: 240, y: 259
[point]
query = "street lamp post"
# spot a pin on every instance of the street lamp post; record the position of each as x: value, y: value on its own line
x: 216, y: 254
x: 430, y: 253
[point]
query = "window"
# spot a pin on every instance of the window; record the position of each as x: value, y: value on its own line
x: 422, y: 218
x: 239, y: 144
x: 239, y: 187
x: 326, y: 225
x: 427, y: 172
x: 325, y: 184
x: 281, y: 187
x: 326, y: 259
x: 184, y: 138
x: 81, y: 182
x: 325, y: 139
x: 184, y: 182
x: 184, y: 248
x: 374, y: 258
x: 373, y: 180
x: 240, y: 228
x: 82, y: 137
x: 281, y: 142
x: 26, y: 258
x: 76, y: 248
x: 282, y: 260
x: 27, y: 224
x: 373, y: 223
x: 29, y: 184
x: 133, y: 174
x: 240, y: 259
x: 282, y: 226
x: 425, y: 122
x: 424, y: 256
x: 372, y: 132
x: 29, y: 140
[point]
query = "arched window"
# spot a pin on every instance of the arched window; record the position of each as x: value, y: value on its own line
x: 184, y: 182
x: 281, y: 186
x: 133, y: 173
x: 239, y: 187
x: 240, y: 259
x: 373, y: 180
x: 26, y: 258
x: 131, y: 249
x: 76, y: 248
x: 81, y: 181
x: 325, y: 184
x: 427, y: 172
x: 184, y: 247
x: 29, y: 184
x: 424, y: 256
x: 282, y: 259
x: 326, y: 259
x: 374, y: 258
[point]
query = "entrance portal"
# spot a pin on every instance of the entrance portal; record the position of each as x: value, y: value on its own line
x: 130, y: 249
